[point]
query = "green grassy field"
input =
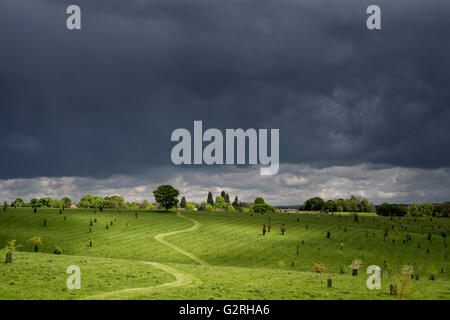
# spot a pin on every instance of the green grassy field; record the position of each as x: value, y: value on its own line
x: 127, y: 262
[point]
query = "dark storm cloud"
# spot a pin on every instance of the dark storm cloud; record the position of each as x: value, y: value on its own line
x: 105, y: 99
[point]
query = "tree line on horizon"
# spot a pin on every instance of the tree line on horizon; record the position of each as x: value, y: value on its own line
x: 45, y: 202
x: 359, y: 204
x: 352, y: 204
x: 415, y: 210
x: 222, y: 203
x: 166, y: 197
x: 87, y: 201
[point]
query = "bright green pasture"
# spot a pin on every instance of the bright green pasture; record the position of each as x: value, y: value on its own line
x: 244, y: 264
x: 237, y: 240
x: 127, y: 238
x: 284, y: 283
x: 43, y: 276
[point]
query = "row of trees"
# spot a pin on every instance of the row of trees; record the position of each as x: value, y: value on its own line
x: 237, y: 205
x: 166, y: 196
x: 415, y: 210
x: 42, y: 202
x: 112, y: 202
x: 223, y: 196
x: 221, y: 202
x: 353, y: 204
x: 87, y: 201
x: 356, y: 204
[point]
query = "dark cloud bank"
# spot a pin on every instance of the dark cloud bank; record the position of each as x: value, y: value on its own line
x: 101, y: 102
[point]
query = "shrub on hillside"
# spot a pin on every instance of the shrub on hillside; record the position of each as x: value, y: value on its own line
x: 229, y: 208
x: 36, y: 241
x: 10, y: 248
x: 404, y: 286
x: 432, y: 273
x: 319, y: 267
x: 356, y: 264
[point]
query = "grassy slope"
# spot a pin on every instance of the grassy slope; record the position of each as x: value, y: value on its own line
x: 134, y: 242
x: 236, y: 240
x: 43, y: 276
x: 244, y: 263
x: 259, y: 283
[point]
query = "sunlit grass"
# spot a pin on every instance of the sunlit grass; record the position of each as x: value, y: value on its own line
x: 244, y: 263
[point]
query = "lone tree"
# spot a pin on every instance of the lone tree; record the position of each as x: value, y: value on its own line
x: 210, y: 199
x: 167, y: 196
x: 183, y: 203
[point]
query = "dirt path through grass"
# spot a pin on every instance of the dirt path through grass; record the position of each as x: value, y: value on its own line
x: 183, y: 279
x: 197, y: 225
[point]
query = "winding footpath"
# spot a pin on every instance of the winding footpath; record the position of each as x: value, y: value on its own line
x: 197, y: 225
x: 183, y: 279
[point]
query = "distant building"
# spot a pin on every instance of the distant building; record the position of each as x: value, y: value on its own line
x: 73, y: 206
x: 289, y: 210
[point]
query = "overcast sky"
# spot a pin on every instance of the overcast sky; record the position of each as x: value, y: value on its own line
x: 360, y: 112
